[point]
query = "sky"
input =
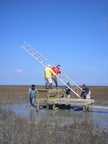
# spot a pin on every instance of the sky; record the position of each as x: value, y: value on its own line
x: 72, y: 33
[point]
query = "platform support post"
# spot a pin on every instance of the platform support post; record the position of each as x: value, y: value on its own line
x: 92, y: 104
x: 37, y: 107
x: 84, y: 108
x: 47, y: 106
x: 53, y: 106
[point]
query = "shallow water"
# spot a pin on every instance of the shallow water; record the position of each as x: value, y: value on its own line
x: 97, y: 116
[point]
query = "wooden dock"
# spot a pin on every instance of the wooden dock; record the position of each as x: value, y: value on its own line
x: 56, y: 97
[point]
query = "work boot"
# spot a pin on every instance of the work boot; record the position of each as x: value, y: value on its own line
x: 50, y: 86
x: 56, y: 84
x: 46, y: 86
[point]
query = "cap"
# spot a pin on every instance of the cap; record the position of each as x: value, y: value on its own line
x: 58, y: 66
x: 33, y: 85
x: 49, y: 65
x: 68, y: 83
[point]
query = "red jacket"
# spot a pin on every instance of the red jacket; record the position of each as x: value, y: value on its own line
x: 56, y: 70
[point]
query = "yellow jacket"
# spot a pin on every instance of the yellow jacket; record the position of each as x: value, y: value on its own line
x: 48, y: 72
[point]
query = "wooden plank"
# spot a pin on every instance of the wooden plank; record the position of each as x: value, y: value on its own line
x: 51, y: 90
x: 71, y: 101
x: 41, y: 100
x: 101, y: 107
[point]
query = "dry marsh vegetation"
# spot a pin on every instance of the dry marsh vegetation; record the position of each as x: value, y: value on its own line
x: 100, y: 94
x: 16, y: 130
x: 10, y: 94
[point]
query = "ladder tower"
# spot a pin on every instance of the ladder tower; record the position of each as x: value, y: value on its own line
x: 44, y: 62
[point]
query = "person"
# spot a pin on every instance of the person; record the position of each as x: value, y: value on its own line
x: 32, y: 94
x: 68, y: 91
x: 86, y: 93
x: 57, y: 71
x: 48, y: 72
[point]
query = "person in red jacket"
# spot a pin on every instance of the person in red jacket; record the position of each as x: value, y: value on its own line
x: 57, y: 71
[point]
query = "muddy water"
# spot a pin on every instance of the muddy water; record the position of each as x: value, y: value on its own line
x: 97, y: 116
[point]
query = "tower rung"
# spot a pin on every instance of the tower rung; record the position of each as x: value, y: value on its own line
x: 29, y: 49
x: 34, y: 53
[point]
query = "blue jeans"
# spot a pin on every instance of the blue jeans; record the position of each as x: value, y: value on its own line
x: 32, y: 101
x: 83, y: 95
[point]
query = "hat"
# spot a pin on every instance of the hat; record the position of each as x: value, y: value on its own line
x: 49, y: 65
x: 83, y: 85
x: 33, y: 85
x: 58, y: 66
x: 68, y: 83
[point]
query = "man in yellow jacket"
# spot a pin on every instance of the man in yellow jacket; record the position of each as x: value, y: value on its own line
x: 48, y: 72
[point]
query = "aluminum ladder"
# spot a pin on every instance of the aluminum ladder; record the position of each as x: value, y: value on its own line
x: 44, y: 62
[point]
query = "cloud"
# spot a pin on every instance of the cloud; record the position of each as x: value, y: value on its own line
x: 17, y: 70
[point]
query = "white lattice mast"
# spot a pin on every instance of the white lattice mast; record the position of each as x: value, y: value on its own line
x: 44, y: 62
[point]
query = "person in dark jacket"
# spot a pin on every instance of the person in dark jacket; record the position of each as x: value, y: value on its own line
x: 86, y: 93
x: 68, y: 91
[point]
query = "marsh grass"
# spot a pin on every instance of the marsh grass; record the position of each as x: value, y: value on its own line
x: 17, y: 130
x: 100, y: 94
x: 13, y: 94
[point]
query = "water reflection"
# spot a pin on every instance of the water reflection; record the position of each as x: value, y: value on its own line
x: 97, y: 116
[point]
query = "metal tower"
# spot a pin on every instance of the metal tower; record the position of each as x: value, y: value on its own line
x: 44, y: 62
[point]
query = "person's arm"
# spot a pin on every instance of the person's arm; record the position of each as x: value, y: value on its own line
x: 35, y: 92
x: 53, y: 73
x: 84, y: 91
x: 29, y: 91
x: 87, y: 90
x: 53, y: 68
x: 59, y: 71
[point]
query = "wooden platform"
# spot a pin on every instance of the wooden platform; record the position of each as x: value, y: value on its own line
x: 58, y: 96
